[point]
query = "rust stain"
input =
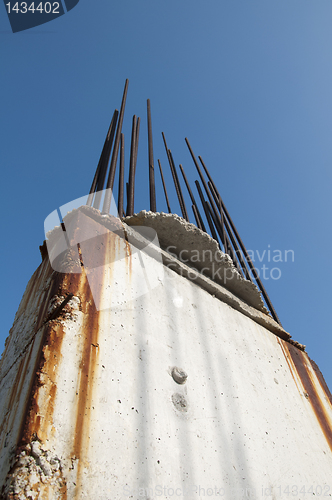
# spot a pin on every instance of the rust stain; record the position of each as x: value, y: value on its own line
x: 311, y: 384
x: 88, y: 361
x: 42, y: 425
x: 61, y: 284
x: 88, y: 368
x: 321, y: 379
x: 129, y: 260
x: 289, y: 361
x: 37, y: 417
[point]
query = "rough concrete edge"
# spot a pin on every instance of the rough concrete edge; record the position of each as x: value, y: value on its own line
x: 7, y: 340
x: 171, y: 224
x: 246, y: 290
x: 211, y: 287
x: 26, y: 346
x: 206, y: 283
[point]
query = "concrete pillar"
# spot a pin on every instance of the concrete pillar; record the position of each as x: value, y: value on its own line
x: 155, y: 380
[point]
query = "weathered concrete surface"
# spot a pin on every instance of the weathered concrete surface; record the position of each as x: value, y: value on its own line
x: 218, y: 291
x: 198, y: 250
x: 106, y: 419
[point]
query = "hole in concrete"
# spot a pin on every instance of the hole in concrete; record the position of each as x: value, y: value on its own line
x: 180, y: 403
x: 179, y: 375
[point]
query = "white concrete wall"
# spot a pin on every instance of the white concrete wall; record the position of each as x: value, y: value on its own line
x: 113, y: 424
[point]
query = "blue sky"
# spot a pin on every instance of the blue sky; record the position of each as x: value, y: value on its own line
x: 247, y: 81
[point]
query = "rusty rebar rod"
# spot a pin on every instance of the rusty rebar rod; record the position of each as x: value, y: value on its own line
x: 131, y: 188
x: 233, y: 239
x: 206, y: 190
x: 244, y: 250
x: 206, y: 211
x: 153, y: 206
x: 98, y: 183
x: 197, y: 214
x: 182, y: 203
x: 93, y: 186
x: 175, y: 180
x: 58, y: 309
x: 232, y: 254
x: 138, y: 122
x: 164, y: 186
x: 110, y: 180
x: 217, y: 220
x: 121, y: 177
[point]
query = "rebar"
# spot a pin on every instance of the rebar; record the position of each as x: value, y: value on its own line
x: 121, y: 177
x: 153, y: 206
x: 131, y: 188
x: 244, y: 250
x: 206, y: 211
x: 110, y: 180
x: 98, y: 183
x: 164, y: 186
x: 222, y: 236
x: 197, y: 215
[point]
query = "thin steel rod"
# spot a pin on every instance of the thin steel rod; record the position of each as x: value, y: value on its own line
x: 107, y: 152
x: 200, y: 222
x: 184, y: 210
x: 164, y: 186
x: 233, y: 240
x: 222, y: 221
x: 195, y: 212
x: 103, y: 161
x: 135, y: 161
x: 131, y: 188
x: 230, y: 249
x: 127, y: 191
x: 93, y: 186
x: 175, y: 180
x: 121, y: 177
x: 58, y: 310
x: 217, y: 220
x: 111, y: 175
x: 206, y: 190
x: 206, y: 211
x: 164, y: 139
x: 138, y: 122
x: 153, y: 205
x: 221, y: 213
x: 244, y: 250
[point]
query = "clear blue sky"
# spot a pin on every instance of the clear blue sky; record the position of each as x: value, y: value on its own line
x: 249, y: 82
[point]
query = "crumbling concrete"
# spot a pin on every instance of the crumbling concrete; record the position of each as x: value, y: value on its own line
x: 199, y: 251
x: 36, y: 474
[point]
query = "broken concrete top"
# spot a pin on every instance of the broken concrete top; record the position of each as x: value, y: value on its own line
x: 199, y: 251
x: 182, y: 247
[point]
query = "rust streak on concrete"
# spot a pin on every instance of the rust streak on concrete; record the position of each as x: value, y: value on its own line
x: 88, y: 367
x: 61, y: 284
x: 307, y: 375
x: 289, y: 362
